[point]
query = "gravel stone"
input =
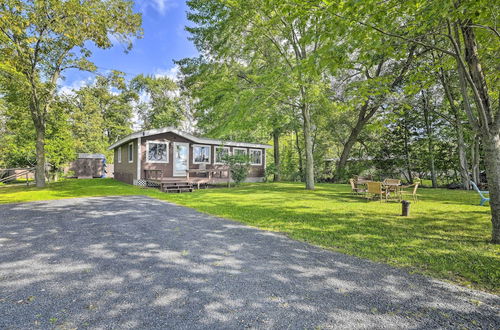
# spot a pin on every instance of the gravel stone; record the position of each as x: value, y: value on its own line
x: 137, y: 262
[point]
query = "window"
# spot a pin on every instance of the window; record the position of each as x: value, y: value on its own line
x: 220, y: 153
x: 239, y: 151
x: 131, y: 152
x: 119, y: 154
x: 201, y: 154
x: 156, y: 152
x: 255, y: 156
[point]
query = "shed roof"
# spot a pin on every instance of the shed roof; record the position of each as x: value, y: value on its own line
x: 186, y: 136
x: 98, y: 156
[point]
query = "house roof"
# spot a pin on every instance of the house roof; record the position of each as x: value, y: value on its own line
x: 188, y: 136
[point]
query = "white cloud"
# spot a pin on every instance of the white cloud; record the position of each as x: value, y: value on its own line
x: 75, y: 85
x: 160, y: 6
x: 170, y: 73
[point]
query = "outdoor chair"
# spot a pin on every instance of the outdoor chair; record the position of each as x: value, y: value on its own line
x: 355, y: 189
x: 375, y: 188
x: 481, y: 193
x: 413, y: 192
x: 203, y: 167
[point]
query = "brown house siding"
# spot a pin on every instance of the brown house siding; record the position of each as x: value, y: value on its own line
x: 167, y: 168
x: 126, y: 171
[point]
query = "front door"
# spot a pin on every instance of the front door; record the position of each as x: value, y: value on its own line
x: 181, y: 158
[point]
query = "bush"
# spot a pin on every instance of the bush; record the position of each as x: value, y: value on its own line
x: 270, y: 170
x: 239, y: 166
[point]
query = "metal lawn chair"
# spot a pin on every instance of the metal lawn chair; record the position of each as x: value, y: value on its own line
x: 413, y: 192
x: 481, y: 193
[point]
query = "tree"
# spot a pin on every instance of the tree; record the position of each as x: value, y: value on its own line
x: 41, y: 39
x: 463, y: 31
x: 100, y: 113
x: 17, y: 141
x: 231, y: 104
x: 161, y: 105
x: 383, y: 74
x: 279, y: 41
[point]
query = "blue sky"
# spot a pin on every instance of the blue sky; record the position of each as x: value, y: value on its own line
x: 164, y: 40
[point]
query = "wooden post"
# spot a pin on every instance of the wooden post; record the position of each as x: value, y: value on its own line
x: 405, y: 208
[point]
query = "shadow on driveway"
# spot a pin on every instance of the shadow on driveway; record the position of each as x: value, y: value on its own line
x: 136, y: 262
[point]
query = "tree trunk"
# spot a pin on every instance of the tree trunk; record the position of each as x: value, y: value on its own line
x: 40, y: 156
x: 430, y: 141
x: 363, y: 118
x: 277, y: 162
x: 475, y: 160
x: 346, y: 150
x: 462, y: 155
x: 309, y: 174
x: 476, y: 72
x: 457, y: 123
x: 407, y: 152
x: 489, y: 126
x: 491, y: 148
x: 299, y: 152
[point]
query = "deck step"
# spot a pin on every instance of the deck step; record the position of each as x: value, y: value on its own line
x: 178, y: 190
x: 177, y: 187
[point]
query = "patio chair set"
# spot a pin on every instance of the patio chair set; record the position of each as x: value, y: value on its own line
x: 388, y: 189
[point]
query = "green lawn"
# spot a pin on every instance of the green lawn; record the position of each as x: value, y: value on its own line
x: 446, y: 235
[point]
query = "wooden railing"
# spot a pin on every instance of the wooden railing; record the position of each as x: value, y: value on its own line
x: 14, y: 176
x: 153, y: 174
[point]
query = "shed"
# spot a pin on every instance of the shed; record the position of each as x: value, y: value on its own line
x: 88, y: 166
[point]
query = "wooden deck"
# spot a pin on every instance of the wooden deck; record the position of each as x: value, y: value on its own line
x: 154, y: 178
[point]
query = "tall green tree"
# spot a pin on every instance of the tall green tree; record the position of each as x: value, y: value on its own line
x: 101, y: 113
x: 264, y: 32
x: 41, y: 39
x: 466, y: 32
x: 161, y: 105
x: 17, y: 140
x: 232, y: 104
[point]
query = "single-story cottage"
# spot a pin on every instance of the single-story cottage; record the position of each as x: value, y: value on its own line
x: 170, y: 154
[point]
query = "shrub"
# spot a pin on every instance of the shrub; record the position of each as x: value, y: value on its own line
x: 239, y: 166
x: 270, y: 170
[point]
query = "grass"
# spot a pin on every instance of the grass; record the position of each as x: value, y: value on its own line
x: 446, y: 235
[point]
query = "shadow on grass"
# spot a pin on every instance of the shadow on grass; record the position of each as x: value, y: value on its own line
x: 445, y: 241
x: 136, y: 262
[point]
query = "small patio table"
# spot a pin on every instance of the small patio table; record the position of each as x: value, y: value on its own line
x: 392, y: 187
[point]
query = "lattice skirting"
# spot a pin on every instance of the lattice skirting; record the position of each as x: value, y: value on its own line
x: 140, y: 182
x: 146, y: 183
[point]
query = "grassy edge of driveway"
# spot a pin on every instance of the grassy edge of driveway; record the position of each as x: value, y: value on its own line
x: 446, y: 236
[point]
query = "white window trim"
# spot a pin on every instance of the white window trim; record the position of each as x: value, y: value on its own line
x: 215, y: 154
x: 244, y: 149
x: 209, y: 153
x: 252, y: 163
x: 130, y: 153
x: 158, y: 161
x: 119, y: 155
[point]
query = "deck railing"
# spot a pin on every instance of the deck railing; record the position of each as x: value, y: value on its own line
x: 24, y: 172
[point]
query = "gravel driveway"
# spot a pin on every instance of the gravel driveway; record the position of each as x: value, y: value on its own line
x: 136, y: 262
